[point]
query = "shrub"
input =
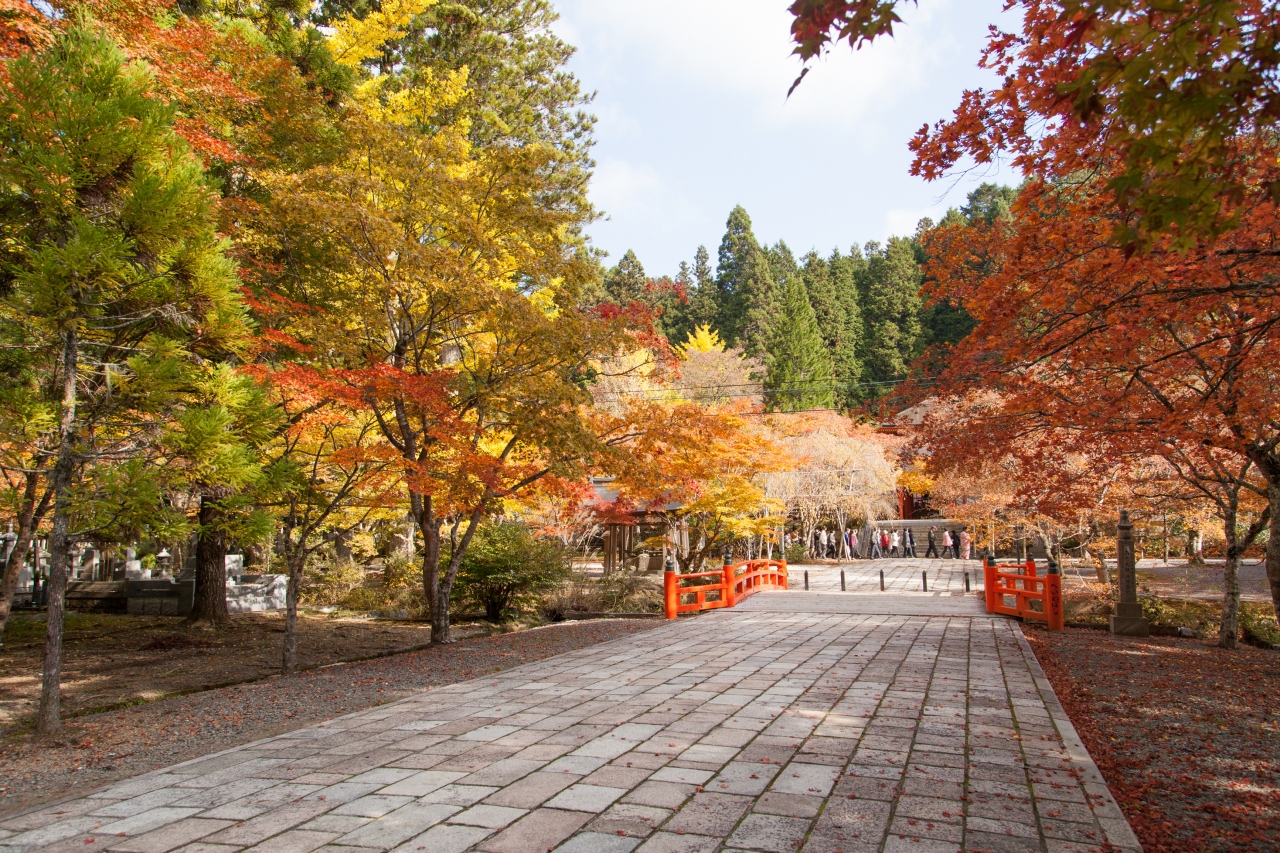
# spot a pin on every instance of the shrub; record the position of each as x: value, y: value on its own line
x: 619, y: 592
x: 795, y: 553
x: 506, y: 566
x: 351, y: 587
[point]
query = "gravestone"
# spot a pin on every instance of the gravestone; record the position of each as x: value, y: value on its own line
x: 1128, y: 620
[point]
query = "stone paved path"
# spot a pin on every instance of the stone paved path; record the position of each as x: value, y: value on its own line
x: 794, y: 722
x: 945, y: 576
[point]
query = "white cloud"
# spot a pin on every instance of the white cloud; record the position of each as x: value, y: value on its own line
x: 694, y: 119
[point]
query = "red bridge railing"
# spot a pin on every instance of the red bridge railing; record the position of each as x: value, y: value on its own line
x: 1020, y: 581
x: 722, y: 588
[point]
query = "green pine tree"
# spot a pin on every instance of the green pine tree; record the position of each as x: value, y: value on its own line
x: 799, y: 371
x: 989, y: 203
x: 702, y: 292
x: 626, y: 282
x: 746, y: 299
x: 112, y: 266
x: 845, y: 272
x: 891, y: 310
x: 782, y: 263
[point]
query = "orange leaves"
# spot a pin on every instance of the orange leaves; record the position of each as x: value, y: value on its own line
x: 22, y: 28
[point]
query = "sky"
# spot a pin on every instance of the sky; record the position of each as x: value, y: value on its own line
x: 694, y: 119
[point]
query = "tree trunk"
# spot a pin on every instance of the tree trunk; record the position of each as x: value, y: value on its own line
x: 29, y: 515
x: 49, y: 717
x: 1273, y: 544
x: 296, y: 560
x: 211, y: 566
x: 1230, y: 587
x: 440, y: 584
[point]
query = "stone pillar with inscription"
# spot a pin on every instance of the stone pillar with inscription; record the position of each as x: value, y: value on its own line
x: 1128, y: 620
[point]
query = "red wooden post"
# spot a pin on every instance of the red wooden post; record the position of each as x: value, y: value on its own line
x: 782, y: 567
x: 1053, y: 611
x: 671, y: 588
x: 730, y: 598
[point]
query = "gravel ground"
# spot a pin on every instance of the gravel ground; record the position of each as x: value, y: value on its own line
x: 102, y: 748
x: 1180, y: 579
x: 1186, y: 734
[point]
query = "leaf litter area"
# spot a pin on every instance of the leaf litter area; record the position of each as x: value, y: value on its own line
x: 112, y: 660
x: 100, y: 748
x: 1186, y: 734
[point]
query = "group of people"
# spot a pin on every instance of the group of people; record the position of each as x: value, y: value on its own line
x: 889, y: 543
x: 955, y: 544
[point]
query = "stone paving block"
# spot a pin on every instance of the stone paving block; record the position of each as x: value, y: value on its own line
x: 490, y: 817
x: 294, y: 841
x: 791, y: 805
x: 271, y: 823
x: 813, y: 780
x: 916, y: 844
x: 421, y: 783
x: 709, y: 814
x: 669, y: 842
x: 1001, y: 843
x: 141, y: 803
x: 666, y: 795
x: 170, y: 836
x: 682, y: 774
x: 145, y: 821
x: 398, y: 826
x: 531, y: 791
x: 740, y: 777
x: 445, y: 838
x: 594, y: 842
x: 459, y: 795
x: 374, y: 805
x: 629, y: 819
x: 539, y: 830
x: 772, y: 833
x: 336, y: 823
x: 935, y: 830
x: 586, y: 798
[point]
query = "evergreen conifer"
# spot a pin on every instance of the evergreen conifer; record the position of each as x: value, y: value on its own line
x: 891, y: 310
x: 745, y: 294
x: 799, y: 371
x: 112, y: 269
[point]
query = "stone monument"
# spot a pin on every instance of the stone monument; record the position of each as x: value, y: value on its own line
x: 1128, y: 620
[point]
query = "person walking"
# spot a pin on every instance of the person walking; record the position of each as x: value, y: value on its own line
x: 894, y: 541
x: 932, y: 550
x: 909, y: 544
x: 966, y: 541
x: 853, y: 544
x: 884, y: 542
x: 948, y: 549
x: 876, y: 552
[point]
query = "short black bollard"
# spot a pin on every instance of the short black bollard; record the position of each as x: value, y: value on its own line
x: 966, y: 581
x: 842, y: 580
x: 924, y: 580
x: 882, y: 580
x: 806, y: 579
